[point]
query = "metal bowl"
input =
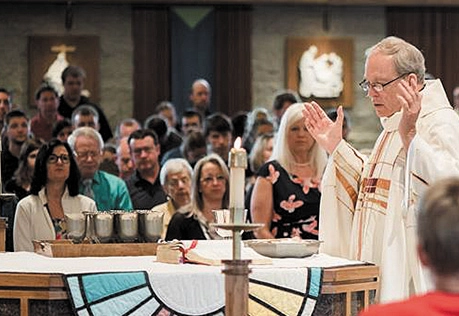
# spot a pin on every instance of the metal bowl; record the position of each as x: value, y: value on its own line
x: 284, y: 247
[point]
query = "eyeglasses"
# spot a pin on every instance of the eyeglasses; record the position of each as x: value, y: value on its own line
x: 176, y: 182
x: 138, y: 151
x: 52, y: 159
x: 378, y: 87
x: 209, y: 180
x: 86, y: 154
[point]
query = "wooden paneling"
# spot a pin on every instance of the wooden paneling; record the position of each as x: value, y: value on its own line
x: 151, y: 59
x: 233, y: 63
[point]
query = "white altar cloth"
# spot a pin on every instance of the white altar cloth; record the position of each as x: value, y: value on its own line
x: 187, y: 289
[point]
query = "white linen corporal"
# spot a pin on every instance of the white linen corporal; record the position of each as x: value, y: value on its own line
x: 368, y: 207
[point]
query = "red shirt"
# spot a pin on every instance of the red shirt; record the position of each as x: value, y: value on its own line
x: 431, y: 304
x: 42, y: 129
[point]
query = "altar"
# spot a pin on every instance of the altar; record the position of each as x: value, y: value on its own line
x: 31, y: 284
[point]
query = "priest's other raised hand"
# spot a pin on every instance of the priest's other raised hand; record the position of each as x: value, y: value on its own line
x: 328, y: 134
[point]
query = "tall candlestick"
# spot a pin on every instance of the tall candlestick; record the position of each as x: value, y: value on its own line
x: 237, y: 163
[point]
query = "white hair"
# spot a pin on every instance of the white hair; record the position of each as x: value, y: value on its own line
x: 87, y: 132
x: 202, y: 81
x: 281, y: 150
x: 175, y: 165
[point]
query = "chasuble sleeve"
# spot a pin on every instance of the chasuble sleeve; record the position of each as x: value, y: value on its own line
x: 340, y: 187
x: 433, y: 154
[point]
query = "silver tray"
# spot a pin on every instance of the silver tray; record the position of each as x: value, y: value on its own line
x: 284, y: 247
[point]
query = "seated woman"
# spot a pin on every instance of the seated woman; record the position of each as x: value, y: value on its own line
x: 53, y: 194
x: 210, y: 192
x: 62, y: 129
x: 19, y: 184
x: 261, y: 152
x: 286, y: 195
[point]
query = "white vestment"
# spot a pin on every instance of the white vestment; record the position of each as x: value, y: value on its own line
x: 368, y: 207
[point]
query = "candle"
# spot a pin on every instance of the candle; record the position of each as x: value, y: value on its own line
x: 238, y: 163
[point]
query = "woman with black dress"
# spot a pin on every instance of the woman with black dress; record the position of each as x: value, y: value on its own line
x: 210, y: 192
x: 286, y: 195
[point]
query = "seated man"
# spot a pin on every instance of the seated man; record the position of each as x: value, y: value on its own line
x: 200, y: 96
x: 167, y: 111
x: 108, y: 163
x: 218, y: 132
x: 109, y: 191
x: 144, y: 186
x: 281, y: 103
x: 168, y: 138
x: 124, y: 159
x: 175, y: 178
x: 85, y: 115
x: 192, y: 149
x: 5, y: 105
x: 16, y: 133
x: 191, y: 121
x: 47, y: 101
x: 438, y: 233
x: 125, y: 128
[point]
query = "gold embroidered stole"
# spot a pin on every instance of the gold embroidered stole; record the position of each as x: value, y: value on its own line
x: 376, y: 180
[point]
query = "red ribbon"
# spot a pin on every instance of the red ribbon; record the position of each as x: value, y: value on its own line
x: 184, y: 251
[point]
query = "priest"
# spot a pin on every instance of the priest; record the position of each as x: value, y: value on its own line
x: 369, y: 205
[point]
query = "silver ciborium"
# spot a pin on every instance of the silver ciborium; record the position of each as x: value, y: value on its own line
x: 127, y: 226
x: 103, y: 226
x: 150, y: 225
x: 75, y: 226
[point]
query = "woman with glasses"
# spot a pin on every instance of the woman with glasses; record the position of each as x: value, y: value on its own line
x: 53, y: 194
x: 19, y: 184
x: 286, y: 195
x: 210, y: 191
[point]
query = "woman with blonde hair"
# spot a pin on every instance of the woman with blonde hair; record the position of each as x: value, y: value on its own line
x: 286, y: 196
x: 261, y: 151
x: 210, y: 192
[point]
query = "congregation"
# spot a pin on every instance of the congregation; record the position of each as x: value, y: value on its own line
x: 139, y: 166
x: 305, y: 180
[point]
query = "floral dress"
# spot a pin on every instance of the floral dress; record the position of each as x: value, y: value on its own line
x: 295, y: 203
